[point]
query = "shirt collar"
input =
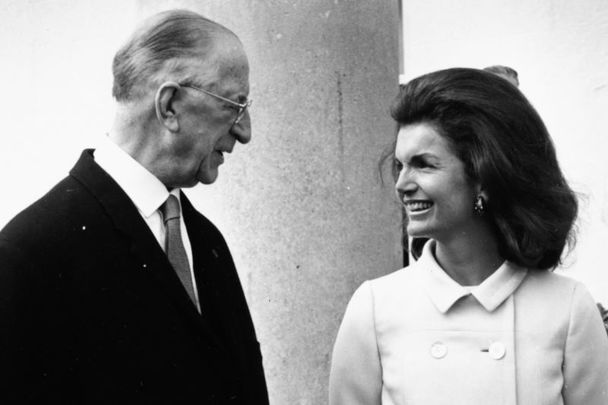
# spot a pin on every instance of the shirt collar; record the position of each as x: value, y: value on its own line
x: 146, y: 191
x: 444, y: 291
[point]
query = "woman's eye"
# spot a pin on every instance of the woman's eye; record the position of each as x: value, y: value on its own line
x: 421, y: 164
x: 398, y: 165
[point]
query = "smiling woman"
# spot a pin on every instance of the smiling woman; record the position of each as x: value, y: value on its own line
x: 480, y: 315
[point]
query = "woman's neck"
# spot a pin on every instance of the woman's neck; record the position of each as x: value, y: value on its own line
x: 469, y: 258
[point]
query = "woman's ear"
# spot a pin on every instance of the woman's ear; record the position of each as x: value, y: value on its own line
x: 484, y: 194
x: 480, y: 201
x: 163, y: 103
x: 480, y: 191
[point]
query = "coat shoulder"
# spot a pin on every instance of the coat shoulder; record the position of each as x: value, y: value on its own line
x: 547, y: 283
x: 405, y: 278
x: 50, y: 216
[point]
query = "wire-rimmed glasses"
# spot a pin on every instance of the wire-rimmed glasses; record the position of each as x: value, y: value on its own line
x: 241, y: 108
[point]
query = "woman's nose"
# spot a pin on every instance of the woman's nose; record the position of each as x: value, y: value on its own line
x: 405, y: 182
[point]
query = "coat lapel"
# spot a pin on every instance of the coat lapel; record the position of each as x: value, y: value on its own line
x: 143, y: 245
x: 212, y: 266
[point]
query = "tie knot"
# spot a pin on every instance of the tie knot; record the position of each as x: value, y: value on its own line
x: 170, y: 208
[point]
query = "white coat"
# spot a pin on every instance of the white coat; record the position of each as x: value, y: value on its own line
x: 416, y: 337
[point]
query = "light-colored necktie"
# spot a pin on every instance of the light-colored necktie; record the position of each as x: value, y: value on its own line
x: 174, y: 247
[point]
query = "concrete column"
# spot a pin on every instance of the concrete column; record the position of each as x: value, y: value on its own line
x: 302, y: 206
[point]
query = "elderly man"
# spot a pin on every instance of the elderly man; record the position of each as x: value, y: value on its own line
x: 113, y: 288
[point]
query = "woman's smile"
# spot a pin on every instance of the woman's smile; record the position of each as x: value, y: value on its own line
x: 414, y: 207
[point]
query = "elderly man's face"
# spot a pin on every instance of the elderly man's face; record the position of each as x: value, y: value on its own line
x: 206, y: 130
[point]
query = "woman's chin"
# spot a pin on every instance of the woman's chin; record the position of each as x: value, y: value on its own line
x: 416, y: 231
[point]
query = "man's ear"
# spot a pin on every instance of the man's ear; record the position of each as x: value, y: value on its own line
x: 163, y: 102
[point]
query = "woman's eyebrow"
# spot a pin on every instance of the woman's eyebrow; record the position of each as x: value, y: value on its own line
x: 424, y: 156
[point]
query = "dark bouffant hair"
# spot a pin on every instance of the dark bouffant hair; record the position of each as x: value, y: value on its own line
x: 505, y: 72
x: 504, y: 146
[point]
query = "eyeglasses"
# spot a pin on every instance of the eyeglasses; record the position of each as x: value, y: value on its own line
x: 240, y: 108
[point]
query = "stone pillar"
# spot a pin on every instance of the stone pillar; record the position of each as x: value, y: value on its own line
x: 302, y: 206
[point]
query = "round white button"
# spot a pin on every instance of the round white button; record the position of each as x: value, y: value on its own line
x: 497, y: 350
x: 438, y: 350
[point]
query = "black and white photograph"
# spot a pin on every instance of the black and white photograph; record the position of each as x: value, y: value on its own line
x: 304, y: 202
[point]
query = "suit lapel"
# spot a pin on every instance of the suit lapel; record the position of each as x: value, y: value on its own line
x: 211, y: 263
x: 143, y: 245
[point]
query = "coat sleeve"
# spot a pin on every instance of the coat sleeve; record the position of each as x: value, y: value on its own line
x: 356, y: 373
x: 585, y: 367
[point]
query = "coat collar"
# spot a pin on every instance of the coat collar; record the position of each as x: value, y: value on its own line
x: 444, y: 291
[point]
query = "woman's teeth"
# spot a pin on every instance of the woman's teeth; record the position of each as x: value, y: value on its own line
x: 418, y: 205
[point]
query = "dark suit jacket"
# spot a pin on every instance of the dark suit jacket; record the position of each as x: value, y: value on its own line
x: 91, y: 311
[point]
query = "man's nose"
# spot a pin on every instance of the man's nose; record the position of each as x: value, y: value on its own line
x: 242, y: 129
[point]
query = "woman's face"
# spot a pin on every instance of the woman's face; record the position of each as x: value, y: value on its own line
x: 432, y: 185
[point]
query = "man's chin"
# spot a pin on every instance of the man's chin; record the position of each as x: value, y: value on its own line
x: 207, y: 177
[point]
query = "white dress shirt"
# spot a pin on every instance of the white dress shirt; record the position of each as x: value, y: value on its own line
x: 146, y: 192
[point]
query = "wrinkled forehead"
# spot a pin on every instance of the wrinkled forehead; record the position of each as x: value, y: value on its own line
x: 233, y: 64
x: 226, y: 64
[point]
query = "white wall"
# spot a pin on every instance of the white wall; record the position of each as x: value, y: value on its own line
x: 560, y: 49
x: 56, y: 88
